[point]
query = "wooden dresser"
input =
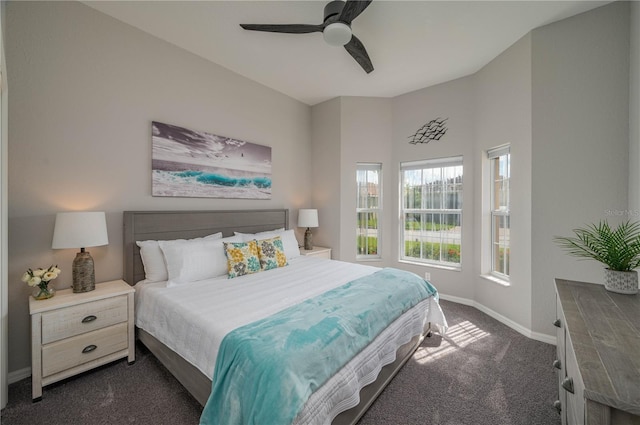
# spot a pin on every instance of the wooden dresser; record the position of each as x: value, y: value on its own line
x: 598, y: 353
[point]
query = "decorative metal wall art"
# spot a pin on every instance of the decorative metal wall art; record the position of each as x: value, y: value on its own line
x: 433, y: 130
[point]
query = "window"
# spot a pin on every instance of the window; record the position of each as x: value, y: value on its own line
x: 368, y: 211
x: 431, y: 211
x: 500, y: 170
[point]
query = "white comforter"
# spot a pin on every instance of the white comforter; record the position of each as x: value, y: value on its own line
x: 192, y: 319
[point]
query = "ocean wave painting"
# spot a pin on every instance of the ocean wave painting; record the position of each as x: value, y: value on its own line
x: 190, y: 163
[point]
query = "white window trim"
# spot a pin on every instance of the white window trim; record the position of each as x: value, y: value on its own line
x: 495, y: 279
x: 490, y: 274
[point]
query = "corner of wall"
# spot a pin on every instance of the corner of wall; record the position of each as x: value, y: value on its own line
x: 325, y: 172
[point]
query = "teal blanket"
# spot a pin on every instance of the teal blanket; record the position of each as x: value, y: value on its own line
x: 266, y: 370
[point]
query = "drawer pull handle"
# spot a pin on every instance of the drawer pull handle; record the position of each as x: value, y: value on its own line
x: 557, y: 364
x: 89, y: 348
x: 558, y: 405
x: 89, y: 319
x: 556, y: 323
x: 567, y: 384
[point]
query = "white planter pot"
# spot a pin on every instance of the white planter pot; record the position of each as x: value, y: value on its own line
x: 621, y: 282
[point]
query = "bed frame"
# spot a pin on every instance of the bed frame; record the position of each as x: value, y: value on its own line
x: 169, y: 225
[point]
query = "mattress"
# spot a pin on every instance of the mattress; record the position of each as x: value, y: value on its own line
x: 192, y: 319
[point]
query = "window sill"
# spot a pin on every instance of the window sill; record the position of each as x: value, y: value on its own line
x: 368, y: 259
x: 495, y: 279
x: 435, y: 266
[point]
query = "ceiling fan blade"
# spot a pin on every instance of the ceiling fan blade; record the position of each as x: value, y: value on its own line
x: 351, y: 10
x: 285, y: 28
x: 359, y: 53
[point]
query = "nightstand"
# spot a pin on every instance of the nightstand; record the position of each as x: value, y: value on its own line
x: 74, y: 332
x: 317, y: 251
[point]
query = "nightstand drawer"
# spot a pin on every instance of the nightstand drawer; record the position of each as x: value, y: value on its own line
x: 71, y: 352
x: 76, y: 320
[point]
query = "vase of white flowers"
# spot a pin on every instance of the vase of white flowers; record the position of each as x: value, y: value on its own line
x: 39, y: 279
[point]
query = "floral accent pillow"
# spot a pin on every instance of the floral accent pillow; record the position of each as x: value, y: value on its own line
x: 242, y: 258
x: 271, y: 253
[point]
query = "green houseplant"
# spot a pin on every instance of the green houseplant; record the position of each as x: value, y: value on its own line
x: 617, y: 248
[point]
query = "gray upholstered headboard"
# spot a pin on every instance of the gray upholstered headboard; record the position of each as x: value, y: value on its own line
x: 169, y: 225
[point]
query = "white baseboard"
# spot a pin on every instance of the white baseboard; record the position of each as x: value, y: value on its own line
x: 18, y: 375
x: 549, y: 339
x: 458, y: 300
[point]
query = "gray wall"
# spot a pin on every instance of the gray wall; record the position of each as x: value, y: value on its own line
x: 4, y: 218
x: 453, y: 100
x: 580, y: 110
x: 85, y: 88
x: 503, y: 116
x: 345, y: 131
x: 365, y: 135
x: 560, y: 97
x: 634, y: 112
x: 326, y: 173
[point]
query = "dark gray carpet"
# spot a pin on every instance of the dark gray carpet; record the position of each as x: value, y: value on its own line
x: 143, y: 393
x: 481, y: 372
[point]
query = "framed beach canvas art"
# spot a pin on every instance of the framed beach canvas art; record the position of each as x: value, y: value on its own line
x: 192, y: 163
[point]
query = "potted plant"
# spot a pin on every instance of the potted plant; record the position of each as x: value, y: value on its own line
x: 618, y: 249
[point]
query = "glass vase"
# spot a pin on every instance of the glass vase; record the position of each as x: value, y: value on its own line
x: 43, y: 292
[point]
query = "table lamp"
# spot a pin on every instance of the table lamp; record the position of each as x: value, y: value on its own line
x: 307, y: 218
x: 81, y: 230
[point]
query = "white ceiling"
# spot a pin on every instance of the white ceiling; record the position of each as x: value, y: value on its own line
x: 412, y: 44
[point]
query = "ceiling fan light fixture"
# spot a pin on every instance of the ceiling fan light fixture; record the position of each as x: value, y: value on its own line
x: 337, y: 34
x: 335, y: 28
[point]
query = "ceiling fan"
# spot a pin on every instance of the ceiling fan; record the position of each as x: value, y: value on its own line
x: 336, y: 28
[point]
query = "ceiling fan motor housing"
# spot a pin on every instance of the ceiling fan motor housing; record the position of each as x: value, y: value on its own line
x: 335, y: 33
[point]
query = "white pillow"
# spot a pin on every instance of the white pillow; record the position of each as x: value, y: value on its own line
x: 289, y: 241
x: 260, y: 235
x: 290, y: 244
x: 190, y: 261
x: 155, y: 269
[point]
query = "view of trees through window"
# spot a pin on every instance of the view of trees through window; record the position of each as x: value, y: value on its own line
x: 432, y: 211
x: 368, y: 210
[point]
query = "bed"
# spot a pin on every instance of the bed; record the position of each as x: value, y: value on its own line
x: 344, y: 397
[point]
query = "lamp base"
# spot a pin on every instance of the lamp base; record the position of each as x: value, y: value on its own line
x: 83, y: 273
x: 308, y: 245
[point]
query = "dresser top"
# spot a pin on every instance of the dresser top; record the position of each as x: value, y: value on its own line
x: 604, y: 328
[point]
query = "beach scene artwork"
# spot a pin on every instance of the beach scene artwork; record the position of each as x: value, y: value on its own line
x: 191, y: 163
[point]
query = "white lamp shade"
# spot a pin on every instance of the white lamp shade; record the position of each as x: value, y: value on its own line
x: 307, y: 218
x: 337, y: 34
x: 79, y: 230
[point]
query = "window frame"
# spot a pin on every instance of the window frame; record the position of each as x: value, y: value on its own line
x: 438, y: 163
x: 494, y: 155
x: 369, y: 166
